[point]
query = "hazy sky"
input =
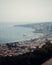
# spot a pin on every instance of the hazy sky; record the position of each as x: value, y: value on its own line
x: 25, y: 10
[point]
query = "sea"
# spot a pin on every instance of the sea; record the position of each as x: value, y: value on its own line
x: 10, y: 33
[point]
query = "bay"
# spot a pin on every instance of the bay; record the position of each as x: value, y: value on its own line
x: 9, y: 33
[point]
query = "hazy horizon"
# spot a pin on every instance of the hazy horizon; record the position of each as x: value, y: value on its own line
x: 18, y: 23
x: 25, y: 11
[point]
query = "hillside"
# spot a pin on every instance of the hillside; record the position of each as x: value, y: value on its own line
x: 37, y: 57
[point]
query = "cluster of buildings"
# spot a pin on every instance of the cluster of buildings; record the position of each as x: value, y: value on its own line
x: 16, y: 48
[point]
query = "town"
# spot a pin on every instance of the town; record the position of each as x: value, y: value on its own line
x: 21, y: 47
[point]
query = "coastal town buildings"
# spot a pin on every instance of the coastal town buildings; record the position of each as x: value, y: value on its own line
x: 21, y: 47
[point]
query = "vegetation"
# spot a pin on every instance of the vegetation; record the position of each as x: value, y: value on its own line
x: 37, y: 57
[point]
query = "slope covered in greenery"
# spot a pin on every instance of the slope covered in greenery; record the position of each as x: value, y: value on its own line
x: 37, y: 57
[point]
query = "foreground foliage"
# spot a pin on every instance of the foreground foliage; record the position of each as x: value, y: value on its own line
x: 37, y: 57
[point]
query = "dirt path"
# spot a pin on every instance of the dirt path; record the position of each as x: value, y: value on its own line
x: 49, y: 62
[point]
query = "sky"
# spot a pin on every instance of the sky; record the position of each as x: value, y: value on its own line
x: 25, y: 11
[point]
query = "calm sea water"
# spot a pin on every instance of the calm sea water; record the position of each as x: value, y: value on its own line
x: 9, y: 33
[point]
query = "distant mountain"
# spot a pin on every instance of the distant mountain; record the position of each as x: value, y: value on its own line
x: 45, y: 27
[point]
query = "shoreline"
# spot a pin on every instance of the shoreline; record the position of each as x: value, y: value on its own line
x: 29, y: 40
x: 21, y: 47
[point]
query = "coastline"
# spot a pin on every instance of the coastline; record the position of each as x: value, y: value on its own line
x: 21, y: 47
